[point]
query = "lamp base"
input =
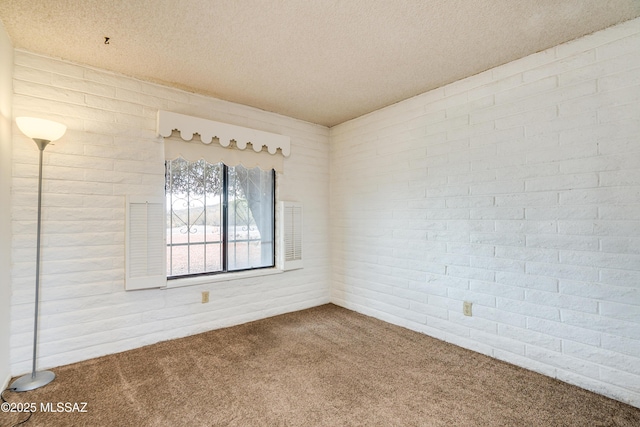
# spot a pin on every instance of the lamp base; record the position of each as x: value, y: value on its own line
x: 30, y: 382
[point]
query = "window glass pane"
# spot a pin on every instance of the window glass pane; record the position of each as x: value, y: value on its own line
x: 195, y: 192
x: 194, y: 199
x: 250, y: 218
x: 214, y: 257
x: 177, y: 260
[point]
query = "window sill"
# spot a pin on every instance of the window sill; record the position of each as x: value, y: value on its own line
x: 224, y: 277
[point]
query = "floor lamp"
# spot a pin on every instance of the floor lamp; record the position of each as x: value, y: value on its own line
x: 42, y: 132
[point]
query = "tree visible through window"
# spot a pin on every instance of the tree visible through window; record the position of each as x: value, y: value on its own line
x: 219, y: 218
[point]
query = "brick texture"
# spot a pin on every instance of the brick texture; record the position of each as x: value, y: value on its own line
x: 111, y: 150
x: 517, y: 189
x: 6, y: 71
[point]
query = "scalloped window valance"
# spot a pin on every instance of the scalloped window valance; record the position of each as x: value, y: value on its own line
x: 221, y: 142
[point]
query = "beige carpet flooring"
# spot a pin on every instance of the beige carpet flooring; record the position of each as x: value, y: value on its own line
x: 325, y: 366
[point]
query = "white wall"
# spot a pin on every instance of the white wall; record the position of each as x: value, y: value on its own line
x: 517, y: 189
x: 111, y: 150
x: 6, y: 71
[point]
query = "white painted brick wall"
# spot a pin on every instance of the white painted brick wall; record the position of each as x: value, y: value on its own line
x: 517, y: 189
x: 6, y: 117
x: 109, y: 151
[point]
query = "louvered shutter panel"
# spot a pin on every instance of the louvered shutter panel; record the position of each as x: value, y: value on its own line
x: 291, y: 235
x: 145, y: 264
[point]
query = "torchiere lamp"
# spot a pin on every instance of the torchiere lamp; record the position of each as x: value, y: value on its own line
x: 42, y: 132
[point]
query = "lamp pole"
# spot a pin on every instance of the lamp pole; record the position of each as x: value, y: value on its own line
x: 35, y: 128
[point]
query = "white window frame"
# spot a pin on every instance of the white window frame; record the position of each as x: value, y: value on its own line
x: 225, y: 134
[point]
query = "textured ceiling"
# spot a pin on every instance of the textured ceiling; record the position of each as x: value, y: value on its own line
x: 323, y: 61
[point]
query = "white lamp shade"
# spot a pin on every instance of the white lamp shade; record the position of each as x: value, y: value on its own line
x: 40, y: 128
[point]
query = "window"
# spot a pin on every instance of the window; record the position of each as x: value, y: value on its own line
x: 216, y: 216
x: 219, y: 218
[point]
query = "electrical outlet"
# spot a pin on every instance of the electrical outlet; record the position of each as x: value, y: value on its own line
x: 466, y: 308
x: 205, y: 297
